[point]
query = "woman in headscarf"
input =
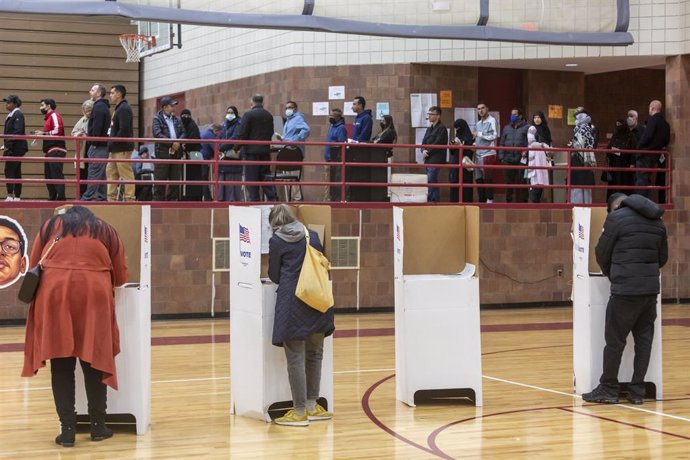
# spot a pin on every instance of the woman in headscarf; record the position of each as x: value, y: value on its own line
x: 583, y: 138
x: 463, y: 136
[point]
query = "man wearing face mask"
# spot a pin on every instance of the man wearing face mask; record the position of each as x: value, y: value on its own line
x: 295, y: 129
x: 336, y: 133
x: 53, y: 148
x: 192, y: 150
x: 167, y: 126
x: 514, y: 135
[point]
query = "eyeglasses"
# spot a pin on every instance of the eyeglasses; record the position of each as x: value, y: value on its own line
x: 432, y: 113
x: 10, y: 246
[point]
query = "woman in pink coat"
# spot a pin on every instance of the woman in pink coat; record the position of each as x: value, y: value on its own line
x: 537, y: 158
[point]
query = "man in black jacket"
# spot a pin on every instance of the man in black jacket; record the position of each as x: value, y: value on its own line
x: 121, y: 126
x: 99, y: 124
x: 631, y: 250
x: 167, y: 126
x: 14, y: 125
x: 257, y: 125
x: 436, y: 134
x: 656, y: 136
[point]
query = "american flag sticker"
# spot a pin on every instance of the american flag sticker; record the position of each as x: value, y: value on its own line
x: 244, y: 235
x: 580, y: 231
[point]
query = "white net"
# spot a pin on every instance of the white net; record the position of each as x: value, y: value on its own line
x: 133, y: 44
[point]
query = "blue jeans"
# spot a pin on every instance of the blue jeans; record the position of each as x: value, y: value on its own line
x: 434, y: 194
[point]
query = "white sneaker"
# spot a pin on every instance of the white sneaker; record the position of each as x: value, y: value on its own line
x: 489, y: 201
x: 16, y: 198
x: 9, y: 198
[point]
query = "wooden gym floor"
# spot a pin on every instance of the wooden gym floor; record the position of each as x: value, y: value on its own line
x: 529, y: 408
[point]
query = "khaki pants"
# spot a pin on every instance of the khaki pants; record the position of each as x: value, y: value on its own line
x: 115, y: 171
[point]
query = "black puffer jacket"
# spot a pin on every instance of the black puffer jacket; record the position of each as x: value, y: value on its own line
x: 633, y: 247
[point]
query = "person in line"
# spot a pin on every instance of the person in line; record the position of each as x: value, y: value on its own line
x: 656, y: 136
x: 122, y: 125
x: 631, y: 250
x: 463, y: 136
x: 73, y: 314
x: 297, y: 327
x: 192, y: 151
x: 295, y: 129
x: 537, y: 159
x: 436, y: 134
x: 213, y: 131
x: 99, y: 125
x: 53, y: 148
x: 228, y: 170
x: 80, y: 129
x: 333, y: 154
x: 620, y: 140
x: 584, y: 137
x: 166, y: 125
x: 485, y: 134
x: 257, y: 125
x: 514, y: 135
x: 14, y: 126
x: 388, y: 135
x: 13, y: 252
x: 143, y: 173
x: 361, y: 133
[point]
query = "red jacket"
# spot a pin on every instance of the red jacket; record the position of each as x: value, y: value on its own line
x: 53, y: 126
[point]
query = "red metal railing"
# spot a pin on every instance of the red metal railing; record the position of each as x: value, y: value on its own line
x: 344, y: 164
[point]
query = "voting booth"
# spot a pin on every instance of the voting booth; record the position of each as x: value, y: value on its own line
x: 132, y: 401
x: 437, y: 330
x: 259, y: 386
x: 591, y: 290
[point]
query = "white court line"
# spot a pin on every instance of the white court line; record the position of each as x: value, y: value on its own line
x: 572, y: 395
x: 25, y: 389
x: 362, y: 371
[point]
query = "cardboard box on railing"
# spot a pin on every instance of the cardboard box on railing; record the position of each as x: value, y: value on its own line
x: 435, y: 240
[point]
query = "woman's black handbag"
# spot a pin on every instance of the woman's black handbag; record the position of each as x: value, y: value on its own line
x: 32, y: 278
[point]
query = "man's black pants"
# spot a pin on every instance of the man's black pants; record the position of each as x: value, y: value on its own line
x: 625, y: 314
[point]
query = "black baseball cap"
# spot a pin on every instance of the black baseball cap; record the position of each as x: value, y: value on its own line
x: 14, y: 99
x: 167, y: 100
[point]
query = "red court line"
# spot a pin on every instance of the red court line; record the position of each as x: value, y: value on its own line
x: 366, y: 407
x: 601, y: 417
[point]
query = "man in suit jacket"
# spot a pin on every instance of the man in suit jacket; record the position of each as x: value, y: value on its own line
x: 436, y: 134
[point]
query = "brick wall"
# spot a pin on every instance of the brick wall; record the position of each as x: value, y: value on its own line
x: 521, y: 250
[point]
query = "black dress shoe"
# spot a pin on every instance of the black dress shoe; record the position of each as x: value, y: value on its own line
x: 66, y: 436
x: 600, y: 395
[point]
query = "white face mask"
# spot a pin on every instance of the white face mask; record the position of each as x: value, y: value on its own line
x: 230, y: 116
x: 289, y: 112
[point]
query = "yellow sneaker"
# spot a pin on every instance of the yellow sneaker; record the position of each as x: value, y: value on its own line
x: 292, y: 419
x: 319, y: 413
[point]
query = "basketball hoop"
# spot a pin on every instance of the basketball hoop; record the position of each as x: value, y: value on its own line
x: 134, y: 43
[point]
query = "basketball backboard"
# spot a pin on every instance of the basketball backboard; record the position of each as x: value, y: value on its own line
x: 167, y: 35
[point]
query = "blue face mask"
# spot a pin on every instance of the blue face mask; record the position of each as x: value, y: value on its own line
x: 514, y: 118
x: 289, y: 112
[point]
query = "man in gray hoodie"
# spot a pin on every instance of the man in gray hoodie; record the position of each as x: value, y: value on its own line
x: 485, y: 135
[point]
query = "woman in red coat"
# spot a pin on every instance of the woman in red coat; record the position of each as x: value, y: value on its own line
x: 73, y: 314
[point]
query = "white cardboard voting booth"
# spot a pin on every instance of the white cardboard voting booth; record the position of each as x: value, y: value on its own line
x: 591, y: 292
x: 437, y: 330
x: 133, y: 313
x: 258, y: 369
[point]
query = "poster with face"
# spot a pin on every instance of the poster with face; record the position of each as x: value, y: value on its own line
x: 14, y: 251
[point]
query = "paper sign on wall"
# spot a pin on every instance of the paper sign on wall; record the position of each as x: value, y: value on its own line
x: 382, y: 108
x: 319, y: 109
x: 336, y: 92
x: 571, y: 117
x: 555, y: 112
x: 419, y: 104
x: 446, y: 99
x: 347, y: 109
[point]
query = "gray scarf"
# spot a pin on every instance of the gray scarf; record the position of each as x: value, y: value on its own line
x: 291, y: 233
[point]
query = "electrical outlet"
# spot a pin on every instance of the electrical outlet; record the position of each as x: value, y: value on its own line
x: 559, y: 272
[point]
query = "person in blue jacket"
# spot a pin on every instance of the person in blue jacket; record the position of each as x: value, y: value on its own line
x: 228, y: 170
x: 207, y: 151
x: 295, y: 129
x: 361, y: 132
x: 297, y: 327
x: 336, y: 133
